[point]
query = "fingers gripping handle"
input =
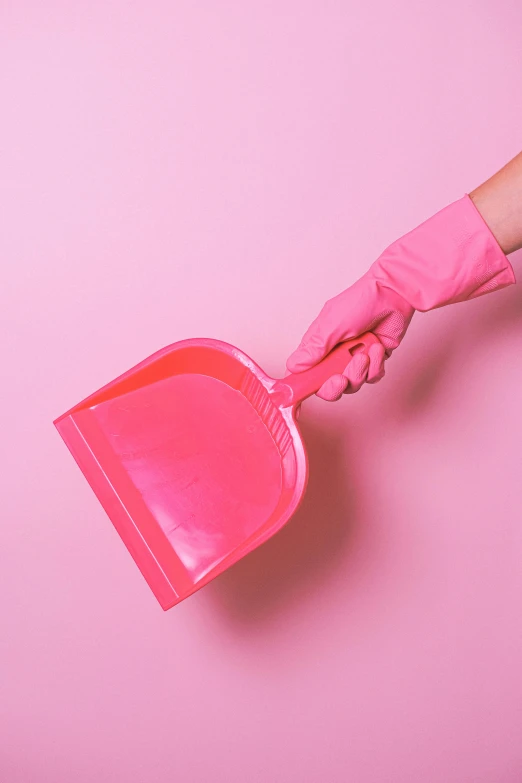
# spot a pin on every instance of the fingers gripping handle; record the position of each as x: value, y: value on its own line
x: 303, y: 384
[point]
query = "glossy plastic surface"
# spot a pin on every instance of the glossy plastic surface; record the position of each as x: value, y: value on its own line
x: 196, y: 457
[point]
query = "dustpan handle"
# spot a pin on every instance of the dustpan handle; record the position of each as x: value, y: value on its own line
x: 303, y: 384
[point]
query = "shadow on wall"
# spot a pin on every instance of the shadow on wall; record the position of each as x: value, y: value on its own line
x: 295, y: 560
x: 291, y: 565
x: 469, y: 328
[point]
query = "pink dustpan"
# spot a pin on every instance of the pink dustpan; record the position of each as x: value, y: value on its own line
x: 196, y: 457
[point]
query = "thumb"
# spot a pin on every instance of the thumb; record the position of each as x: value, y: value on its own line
x: 322, y: 335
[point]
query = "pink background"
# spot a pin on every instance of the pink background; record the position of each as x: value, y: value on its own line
x: 219, y: 169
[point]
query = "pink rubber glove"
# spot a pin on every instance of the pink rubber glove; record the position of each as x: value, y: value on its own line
x: 449, y: 258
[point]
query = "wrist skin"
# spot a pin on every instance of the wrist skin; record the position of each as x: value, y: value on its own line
x: 499, y: 201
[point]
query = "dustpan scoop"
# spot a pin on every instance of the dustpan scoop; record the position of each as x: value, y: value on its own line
x: 196, y: 457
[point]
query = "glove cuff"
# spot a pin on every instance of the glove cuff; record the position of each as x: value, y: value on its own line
x: 451, y: 257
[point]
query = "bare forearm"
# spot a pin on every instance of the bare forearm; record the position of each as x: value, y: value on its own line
x: 499, y: 201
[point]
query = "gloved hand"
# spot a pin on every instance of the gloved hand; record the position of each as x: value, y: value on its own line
x: 451, y: 257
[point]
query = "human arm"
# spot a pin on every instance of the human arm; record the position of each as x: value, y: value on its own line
x: 499, y: 201
x: 458, y: 254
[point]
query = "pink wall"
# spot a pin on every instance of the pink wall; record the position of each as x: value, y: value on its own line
x: 219, y: 169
